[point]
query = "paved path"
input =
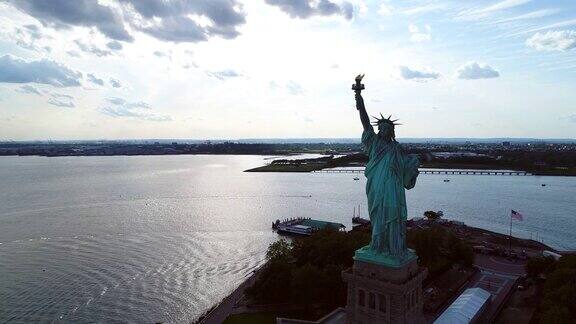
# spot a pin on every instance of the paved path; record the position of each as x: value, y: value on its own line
x: 497, y: 276
x: 499, y: 264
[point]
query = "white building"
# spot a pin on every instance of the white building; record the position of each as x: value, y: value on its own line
x: 467, y: 308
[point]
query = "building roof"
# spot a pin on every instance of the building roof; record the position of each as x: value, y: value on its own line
x: 318, y: 224
x: 466, y: 308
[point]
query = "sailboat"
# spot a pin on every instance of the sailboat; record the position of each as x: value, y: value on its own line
x: 356, y: 219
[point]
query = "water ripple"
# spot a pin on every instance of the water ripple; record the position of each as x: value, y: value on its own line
x: 81, y: 278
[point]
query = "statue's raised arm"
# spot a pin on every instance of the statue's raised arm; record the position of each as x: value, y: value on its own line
x: 358, y: 87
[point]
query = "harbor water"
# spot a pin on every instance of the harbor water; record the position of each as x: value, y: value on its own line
x: 163, y: 238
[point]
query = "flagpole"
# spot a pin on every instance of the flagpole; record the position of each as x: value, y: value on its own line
x: 510, y: 238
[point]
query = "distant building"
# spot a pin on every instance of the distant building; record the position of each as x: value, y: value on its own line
x: 540, y: 163
x: 448, y: 155
x: 506, y: 143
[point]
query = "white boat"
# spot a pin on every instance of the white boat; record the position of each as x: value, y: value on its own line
x: 295, y: 229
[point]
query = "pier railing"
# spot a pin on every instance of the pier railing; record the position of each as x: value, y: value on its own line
x: 453, y: 172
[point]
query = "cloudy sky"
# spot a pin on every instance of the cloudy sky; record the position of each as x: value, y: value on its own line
x: 134, y: 69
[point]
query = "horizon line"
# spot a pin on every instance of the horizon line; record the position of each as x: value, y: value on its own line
x: 285, y: 139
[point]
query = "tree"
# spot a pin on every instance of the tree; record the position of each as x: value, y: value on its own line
x: 279, y: 250
x: 559, y: 290
x: 329, y: 246
x: 556, y: 315
x: 438, y: 249
x: 307, y: 285
x: 432, y: 215
x: 272, y: 283
x: 460, y: 251
x: 309, y: 269
x: 538, y: 265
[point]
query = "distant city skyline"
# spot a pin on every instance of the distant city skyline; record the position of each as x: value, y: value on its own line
x: 226, y: 69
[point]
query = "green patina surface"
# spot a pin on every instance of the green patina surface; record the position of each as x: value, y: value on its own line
x: 366, y: 254
x: 389, y: 172
x: 318, y: 224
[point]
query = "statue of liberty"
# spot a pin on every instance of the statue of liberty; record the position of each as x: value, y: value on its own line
x: 389, y: 171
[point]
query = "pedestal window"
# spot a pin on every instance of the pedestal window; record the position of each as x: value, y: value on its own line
x: 382, y: 303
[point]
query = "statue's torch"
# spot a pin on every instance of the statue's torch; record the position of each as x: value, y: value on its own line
x: 358, y: 86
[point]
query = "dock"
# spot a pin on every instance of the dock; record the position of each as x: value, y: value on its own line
x: 445, y: 172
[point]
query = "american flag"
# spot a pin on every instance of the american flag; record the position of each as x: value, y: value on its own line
x: 516, y: 215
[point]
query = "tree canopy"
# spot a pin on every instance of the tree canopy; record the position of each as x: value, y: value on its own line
x: 308, y: 270
x: 558, y: 303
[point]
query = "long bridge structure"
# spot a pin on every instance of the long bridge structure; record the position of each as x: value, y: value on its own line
x: 428, y: 171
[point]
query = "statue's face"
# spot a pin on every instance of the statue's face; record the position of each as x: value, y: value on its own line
x: 385, y: 130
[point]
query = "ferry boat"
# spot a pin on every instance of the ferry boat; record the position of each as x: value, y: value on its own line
x: 303, y: 226
x: 295, y: 229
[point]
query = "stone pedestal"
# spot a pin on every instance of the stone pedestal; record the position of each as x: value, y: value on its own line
x: 380, y: 291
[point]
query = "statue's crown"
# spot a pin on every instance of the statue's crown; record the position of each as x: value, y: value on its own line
x: 385, y: 120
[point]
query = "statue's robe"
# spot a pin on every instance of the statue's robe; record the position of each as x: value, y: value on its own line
x: 389, y: 170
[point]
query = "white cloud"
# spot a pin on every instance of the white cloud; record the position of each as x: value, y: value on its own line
x: 63, y: 13
x: 165, y: 20
x: 565, y: 23
x: 561, y: 40
x: 531, y: 15
x: 29, y: 89
x: 187, y: 21
x: 114, y: 45
x: 385, y: 10
x: 290, y: 87
x: 224, y: 74
x: 120, y: 108
x: 487, y: 11
x: 92, y: 49
x: 420, y: 35
x: 95, y: 80
x: 474, y: 70
x: 418, y: 74
x: 294, y: 88
x: 160, y: 54
x: 61, y: 100
x: 30, y: 37
x: 422, y: 9
x: 129, y: 105
x: 503, y: 5
x: 115, y: 83
x: 16, y: 70
x: 308, y: 8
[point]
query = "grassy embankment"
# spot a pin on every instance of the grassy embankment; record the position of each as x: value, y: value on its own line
x: 310, y: 165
